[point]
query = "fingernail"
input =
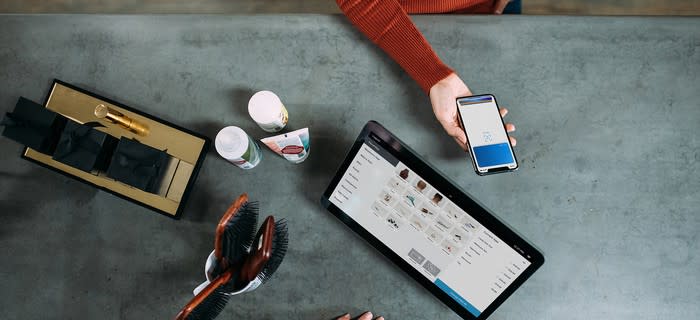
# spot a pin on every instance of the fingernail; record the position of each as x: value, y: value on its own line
x: 366, y: 315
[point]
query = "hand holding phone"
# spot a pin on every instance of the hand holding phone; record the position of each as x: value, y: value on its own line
x: 488, y: 142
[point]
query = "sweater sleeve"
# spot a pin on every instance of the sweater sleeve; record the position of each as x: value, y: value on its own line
x: 386, y: 23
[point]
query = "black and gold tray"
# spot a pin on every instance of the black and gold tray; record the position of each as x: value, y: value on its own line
x: 186, y: 148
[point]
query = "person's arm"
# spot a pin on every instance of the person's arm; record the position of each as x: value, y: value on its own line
x: 387, y: 24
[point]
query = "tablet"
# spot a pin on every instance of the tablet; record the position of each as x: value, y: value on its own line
x: 439, y: 235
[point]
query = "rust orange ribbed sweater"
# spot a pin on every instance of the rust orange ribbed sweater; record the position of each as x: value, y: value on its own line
x: 386, y: 23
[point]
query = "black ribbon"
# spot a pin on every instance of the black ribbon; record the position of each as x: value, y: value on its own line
x: 141, y: 166
x: 78, y: 138
x: 10, y: 121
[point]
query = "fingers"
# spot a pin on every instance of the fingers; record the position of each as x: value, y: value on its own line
x: 344, y: 317
x: 509, y: 127
x: 461, y: 144
x: 499, y: 6
x: 379, y: 318
x: 459, y: 136
x: 365, y: 316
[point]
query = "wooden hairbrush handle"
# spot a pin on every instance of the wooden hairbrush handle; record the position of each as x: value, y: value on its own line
x: 197, y: 300
x: 221, y: 227
x: 260, y: 253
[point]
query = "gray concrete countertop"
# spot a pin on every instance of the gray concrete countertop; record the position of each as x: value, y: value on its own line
x: 607, y: 111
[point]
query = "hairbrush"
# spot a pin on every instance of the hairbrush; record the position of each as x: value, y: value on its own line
x: 266, y: 255
x: 209, y: 302
x: 244, y: 259
x: 235, y: 234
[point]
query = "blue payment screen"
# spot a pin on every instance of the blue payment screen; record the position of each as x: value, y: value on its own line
x: 487, y: 138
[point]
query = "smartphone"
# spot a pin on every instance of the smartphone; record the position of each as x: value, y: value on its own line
x: 488, y: 142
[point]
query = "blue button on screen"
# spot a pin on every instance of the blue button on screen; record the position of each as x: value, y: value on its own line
x: 454, y: 295
x: 493, y: 155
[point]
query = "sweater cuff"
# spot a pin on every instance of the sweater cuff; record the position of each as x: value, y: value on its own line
x: 431, y: 74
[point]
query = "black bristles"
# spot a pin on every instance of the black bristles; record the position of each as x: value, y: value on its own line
x: 280, y: 241
x: 211, y: 306
x: 240, y: 233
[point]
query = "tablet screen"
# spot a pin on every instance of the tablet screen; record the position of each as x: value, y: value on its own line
x: 431, y: 233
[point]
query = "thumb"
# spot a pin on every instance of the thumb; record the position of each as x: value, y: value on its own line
x: 459, y: 136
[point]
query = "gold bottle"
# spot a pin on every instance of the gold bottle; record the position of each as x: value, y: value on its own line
x: 104, y: 112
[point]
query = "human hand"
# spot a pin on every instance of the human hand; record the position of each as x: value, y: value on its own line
x: 443, y: 95
x: 365, y: 316
x: 499, y: 5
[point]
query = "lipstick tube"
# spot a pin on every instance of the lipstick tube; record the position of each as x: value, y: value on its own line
x: 104, y: 112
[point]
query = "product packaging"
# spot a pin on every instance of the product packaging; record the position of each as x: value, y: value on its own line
x: 82, y: 147
x: 267, y: 111
x: 34, y: 126
x: 293, y: 146
x: 234, y: 145
x: 138, y: 165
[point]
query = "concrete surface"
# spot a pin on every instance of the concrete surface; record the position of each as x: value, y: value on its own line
x: 607, y: 111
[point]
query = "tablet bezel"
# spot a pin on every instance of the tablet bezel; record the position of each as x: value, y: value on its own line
x: 377, y: 133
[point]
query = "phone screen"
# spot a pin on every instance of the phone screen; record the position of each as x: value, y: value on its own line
x: 488, y: 140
